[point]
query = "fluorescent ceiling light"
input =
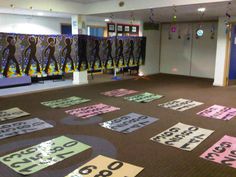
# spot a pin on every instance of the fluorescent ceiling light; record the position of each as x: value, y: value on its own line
x: 202, y: 9
x: 107, y: 20
x: 39, y: 13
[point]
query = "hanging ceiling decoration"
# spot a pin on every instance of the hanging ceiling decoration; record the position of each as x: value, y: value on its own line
x: 179, y: 32
x: 227, y: 17
x: 151, y: 17
x: 189, y: 32
x: 213, y: 29
x: 111, y: 17
x: 174, y: 20
x: 132, y: 18
x: 169, y: 33
x: 151, y: 24
x: 200, y: 31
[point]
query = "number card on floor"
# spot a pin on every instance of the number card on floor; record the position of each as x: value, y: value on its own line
x: 223, y: 152
x: 64, y: 103
x: 90, y: 111
x: 104, y: 166
x: 181, y: 104
x: 128, y: 123
x: 144, y: 97
x: 119, y: 92
x: 12, y: 114
x: 218, y: 112
x: 22, y: 127
x: 35, y: 158
x: 182, y: 136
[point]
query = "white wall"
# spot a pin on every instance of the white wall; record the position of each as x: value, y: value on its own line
x: 152, y: 52
x: 99, y: 21
x: 204, y: 52
x: 194, y: 57
x: 175, y: 53
x: 31, y: 24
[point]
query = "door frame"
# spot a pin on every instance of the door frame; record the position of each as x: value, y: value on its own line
x: 227, y: 82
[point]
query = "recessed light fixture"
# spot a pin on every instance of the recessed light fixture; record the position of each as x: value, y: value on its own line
x: 40, y: 13
x: 201, y: 9
x: 107, y: 20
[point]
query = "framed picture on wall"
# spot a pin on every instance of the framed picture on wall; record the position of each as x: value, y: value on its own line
x: 127, y: 28
x: 111, y: 27
x: 135, y: 29
x: 120, y: 28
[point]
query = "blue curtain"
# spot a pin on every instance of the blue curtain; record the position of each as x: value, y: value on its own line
x: 96, y: 31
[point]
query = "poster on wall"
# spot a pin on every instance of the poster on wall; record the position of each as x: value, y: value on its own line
x: 182, y: 136
x: 141, y: 50
x: 11, y: 55
x: 127, y: 28
x: 30, y: 160
x: 82, y: 53
x: 134, y: 29
x: 120, y: 28
x: 109, y: 52
x: 111, y: 27
x: 108, y: 167
x: 94, y: 53
x: 130, y: 51
x: 68, y: 53
x: 49, y: 55
x: 33, y: 55
x: 218, y: 112
x: 223, y: 152
x: 32, y: 60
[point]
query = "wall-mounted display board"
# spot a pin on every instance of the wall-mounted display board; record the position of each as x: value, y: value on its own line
x: 130, y: 51
x: 50, y: 55
x: 32, y: 55
x: 111, y: 27
x: 122, y: 29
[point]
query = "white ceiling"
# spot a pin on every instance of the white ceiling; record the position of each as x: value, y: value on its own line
x: 61, y: 8
x: 184, y: 13
x: 86, y: 1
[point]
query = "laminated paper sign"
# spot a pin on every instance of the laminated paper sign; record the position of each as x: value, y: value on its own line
x: 93, y: 110
x: 181, y: 104
x: 218, y: 112
x: 35, y: 158
x: 128, y: 123
x: 185, y: 137
x: 144, y: 97
x: 63, y: 103
x: 119, y: 92
x: 223, y: 152
x: 12, y: 114
x: 22, y: 127
x: 104, y: 166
